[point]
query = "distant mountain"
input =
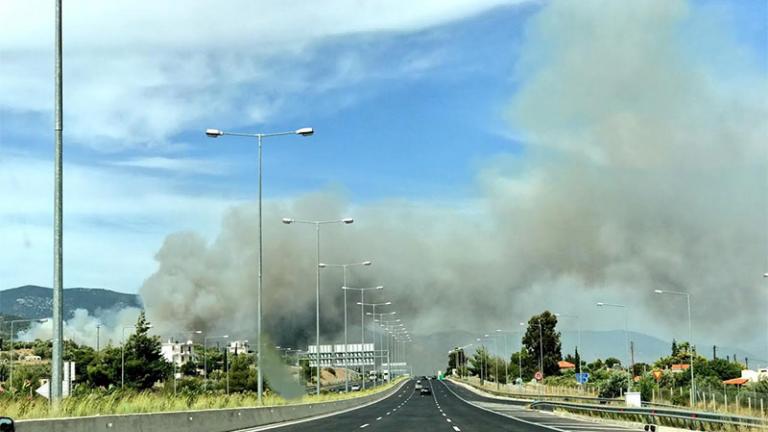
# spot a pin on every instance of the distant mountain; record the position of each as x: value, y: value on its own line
x: 31, y: 301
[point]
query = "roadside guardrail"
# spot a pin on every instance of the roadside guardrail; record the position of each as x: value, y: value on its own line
x: 695, y: 420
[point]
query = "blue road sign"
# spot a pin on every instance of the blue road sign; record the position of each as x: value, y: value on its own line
x: 582, y: 378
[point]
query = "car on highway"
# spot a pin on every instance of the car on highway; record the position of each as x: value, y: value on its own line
x: 425, y: 391
x: 418, y: 385
x: 355, y: 387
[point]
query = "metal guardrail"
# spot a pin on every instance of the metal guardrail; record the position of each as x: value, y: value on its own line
x: 665, y: 416
x: 544, y: 396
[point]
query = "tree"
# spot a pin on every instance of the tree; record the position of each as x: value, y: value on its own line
x: 612, y: 362
x: 456, y: 359
x: 613, y: 386
x: 144, y: 364
x: 189, y: 369
x: 549, y: 342
x: 675, y: 350
x: 480, y: 363
x: 242, y: 374
x: 514, y: 366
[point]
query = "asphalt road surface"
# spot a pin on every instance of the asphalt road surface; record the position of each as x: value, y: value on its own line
x: 450, y: 408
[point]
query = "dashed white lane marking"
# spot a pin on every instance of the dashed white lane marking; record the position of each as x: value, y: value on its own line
x: 456, y: 428
x: 448, y: 420
x: 443, y: 414
x: 378, y: 418
x: 365, y: 425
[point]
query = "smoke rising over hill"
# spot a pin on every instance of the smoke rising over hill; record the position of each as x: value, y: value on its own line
x: 643, y: 167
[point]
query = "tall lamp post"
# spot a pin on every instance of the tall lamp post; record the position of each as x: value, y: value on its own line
x: 459, y: 350
x: 175, y: 366
x: 626, y: 337
x: 215, y: 133
x: 363, y: 305
x: 520, y: 356
x: 362, y: 323
x: 496, y: 360
x: 13, y: 350
x: 346, y: 340
x: 506, y: 350
x: 317, y: 225
x: 122, y: 355
x: 578, y: 343
x: 690, y: 337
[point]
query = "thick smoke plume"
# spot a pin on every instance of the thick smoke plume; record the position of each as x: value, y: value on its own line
x: 644, y: 167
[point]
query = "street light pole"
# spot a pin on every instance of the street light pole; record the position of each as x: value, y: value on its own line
x: 317, y: 224
x: 520, y: 358
x: 363, y: 304
x: 215, y: 133
x: 495, y: 360
x: 57, y: 363
x: 690, y: 338
x: 626, y: 337
x: 362, y: 325
x: 506, y: 350
x: 13, y: 349
x: 346, y: 340
x: 578, y: 343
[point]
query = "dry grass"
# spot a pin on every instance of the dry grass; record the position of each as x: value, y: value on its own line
x: 150, y: 402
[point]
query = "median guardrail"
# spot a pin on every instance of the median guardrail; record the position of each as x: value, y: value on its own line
x: 695, y: 420
x: 214, y: 420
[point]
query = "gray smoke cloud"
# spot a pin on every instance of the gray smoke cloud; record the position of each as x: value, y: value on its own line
x: 644, y: 167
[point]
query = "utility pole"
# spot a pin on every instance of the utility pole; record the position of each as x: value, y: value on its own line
x: 714, y: 352
x: 632, y: 359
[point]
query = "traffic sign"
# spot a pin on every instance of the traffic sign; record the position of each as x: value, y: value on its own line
x: 582, y: 378
x: 539, y: 376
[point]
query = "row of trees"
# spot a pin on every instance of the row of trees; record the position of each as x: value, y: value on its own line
x: 145, y: 367
x: 542, y: 352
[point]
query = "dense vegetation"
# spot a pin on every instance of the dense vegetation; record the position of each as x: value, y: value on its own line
x: 608, y: 377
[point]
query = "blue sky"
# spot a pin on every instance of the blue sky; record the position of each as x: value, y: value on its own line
x: 406, y: 106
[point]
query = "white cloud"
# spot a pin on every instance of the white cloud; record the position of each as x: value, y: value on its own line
x: 114, y: 222
x: 182, y: 165
x: 136, y: 75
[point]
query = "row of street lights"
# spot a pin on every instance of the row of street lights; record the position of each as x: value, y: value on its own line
x: 626, y: 336
x: 215, y: 133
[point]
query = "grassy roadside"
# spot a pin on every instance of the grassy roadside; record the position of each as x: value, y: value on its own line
x: 152, y: 402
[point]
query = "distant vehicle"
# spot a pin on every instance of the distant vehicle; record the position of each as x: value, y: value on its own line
x: 418, y: 385
x: 426, y: 391
x: 355, y: 387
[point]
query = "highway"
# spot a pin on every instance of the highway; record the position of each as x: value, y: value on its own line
x: 450, y: 408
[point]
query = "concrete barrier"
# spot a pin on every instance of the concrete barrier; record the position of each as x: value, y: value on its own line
x: 215, y: 420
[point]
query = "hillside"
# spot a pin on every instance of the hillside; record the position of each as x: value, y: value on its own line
x: 31, y: 301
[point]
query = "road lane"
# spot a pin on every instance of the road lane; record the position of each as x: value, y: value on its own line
x: 518, y: 413
x: 450, y: 408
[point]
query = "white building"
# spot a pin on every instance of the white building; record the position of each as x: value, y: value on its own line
x: 355, y: 355
x: 239, y: 347
x: 178, y: 352
x: 754, y: 376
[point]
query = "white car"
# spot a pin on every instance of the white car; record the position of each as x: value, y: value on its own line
x: 355, y: 387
